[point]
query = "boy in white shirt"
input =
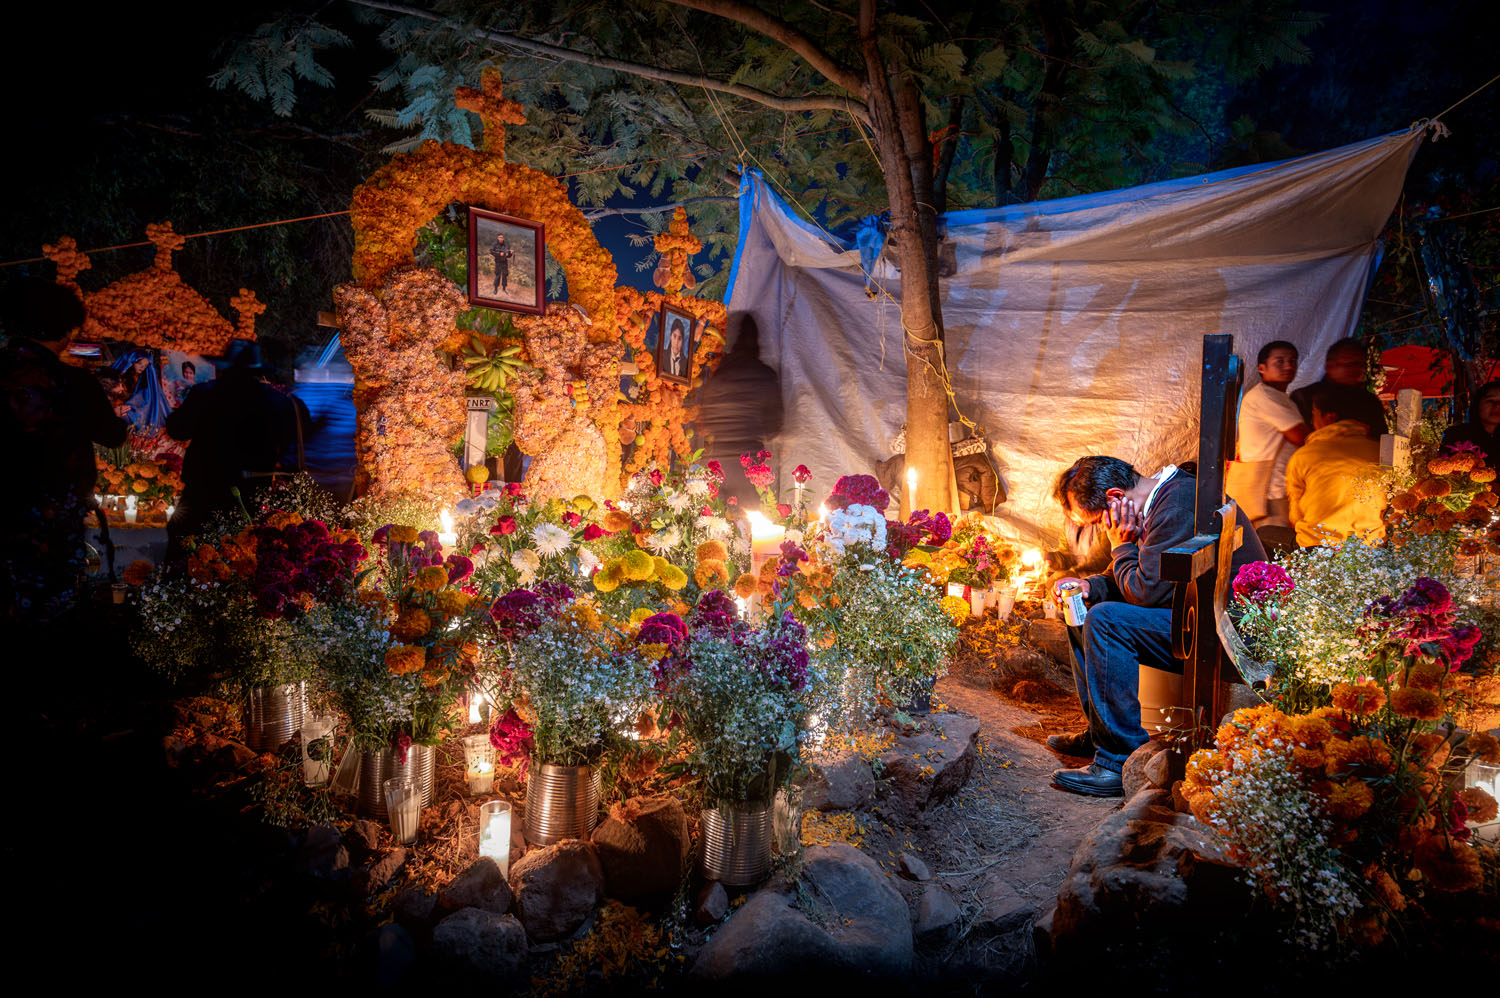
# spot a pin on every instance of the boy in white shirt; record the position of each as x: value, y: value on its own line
x: 1271, y: 428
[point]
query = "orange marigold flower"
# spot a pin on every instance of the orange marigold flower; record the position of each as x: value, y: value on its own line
x: 1417, y: 704
x: 1385, y: 889
x: 806, y: 599
x: 1422, y: 527
x: 1447, y: 521
x: 713, y: 551
x: 1310, y: 758
x: 1425, y: 675
x: 1469, y: 547
x: 746, y: 585
x: 1485, y: 499
x: 1429, y: 748
x: 1405, y: 502
x: 1484, y: 746
x: 1363, y: 699
x: 452, y: 602
x: 1309, y: 729
x: 616, y: 520
x: 411, y: 623
x: 1346, y: 754
x: 1482, y: 475
x: 137, y: 572
x: 402, y: 535
x: 1439, y: 466
x: 1481, y: 805
x: 711, y: 573
x: 401, y: 659
x: 1350, y: 800
x: 1447, y: 865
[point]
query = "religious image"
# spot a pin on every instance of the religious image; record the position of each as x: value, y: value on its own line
x: 505, y: 263
x: 674, y: 345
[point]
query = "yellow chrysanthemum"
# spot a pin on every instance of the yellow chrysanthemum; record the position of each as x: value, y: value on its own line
x: 746, y: 586
x: 659, y: 565
x: 607, y: 579
x: 672, y: 577
x: 1350, y: 800
x: 452, y: 602
x: 956, y: 607
x: 639, y: 614
x: 712, y: 551
x: 430, y: 579
x: 636, y: 566
x: 916, y: 558
x: 401, y: 659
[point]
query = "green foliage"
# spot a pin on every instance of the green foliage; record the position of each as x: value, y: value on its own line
x: 267, y: 65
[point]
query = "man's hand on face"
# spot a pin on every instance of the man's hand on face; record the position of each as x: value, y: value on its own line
x: 1122, y: 522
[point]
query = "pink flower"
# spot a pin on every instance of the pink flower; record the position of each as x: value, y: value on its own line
x: 801, y: 474
x: 593, y: 532
x: 715, y: 469
x: 863, y: 490
x: 783, y: 510
x: 459, y: 568
x: 655, y: 476
x: 1261, y: 581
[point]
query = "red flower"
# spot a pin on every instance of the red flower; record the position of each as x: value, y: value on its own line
x: 572, y: 519
x: 783, y: 510
x: 732, y: 501
x: 801, y: 474
x: 715, y: 469
x: 593, y: 532
x: 655, y: 476
x: 513, y: 489
x: 505, y: 525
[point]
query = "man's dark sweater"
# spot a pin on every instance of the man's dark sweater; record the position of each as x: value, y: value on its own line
x: 1134, y: 574
x: 1367, y: 409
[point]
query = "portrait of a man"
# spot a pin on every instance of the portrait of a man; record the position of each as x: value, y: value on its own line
x: 674, y: 345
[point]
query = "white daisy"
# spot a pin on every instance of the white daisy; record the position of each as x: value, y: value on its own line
x: 697, y: 487
x: 716, y: 527
x: 664, y: 540
x: 679, y: 501
x: 587, y: 562
x: 550, y: 539
x: 526, y: 561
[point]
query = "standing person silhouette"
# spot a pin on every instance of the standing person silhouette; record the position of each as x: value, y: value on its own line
x: 740, y: 412
x: 502, y: 254
x: 239, y: 430
x: 52, y: 416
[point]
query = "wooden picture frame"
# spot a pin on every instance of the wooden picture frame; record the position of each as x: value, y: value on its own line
x: 674, y: 361
x: 517, y: 281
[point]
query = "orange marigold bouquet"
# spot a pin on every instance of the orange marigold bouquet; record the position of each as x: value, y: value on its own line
x: 142, y: 468
x: 1455, y: 490
x: 1352, y: 816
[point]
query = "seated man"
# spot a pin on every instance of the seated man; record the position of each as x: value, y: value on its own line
x: 1129, y: 620
x: 1327, y: 479
x: 1344, y: 365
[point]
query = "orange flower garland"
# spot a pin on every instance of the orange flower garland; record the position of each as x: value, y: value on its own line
x: 154, y: 308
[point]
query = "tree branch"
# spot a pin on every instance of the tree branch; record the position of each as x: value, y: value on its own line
x: 831, y: 102
x: 779, y: 31
x: 598, y: 213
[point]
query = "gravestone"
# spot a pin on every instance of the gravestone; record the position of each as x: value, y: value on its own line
x: 477, y: 429
x: 1395, y: 448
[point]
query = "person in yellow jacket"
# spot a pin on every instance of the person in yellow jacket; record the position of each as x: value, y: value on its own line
x: 1328, y: 479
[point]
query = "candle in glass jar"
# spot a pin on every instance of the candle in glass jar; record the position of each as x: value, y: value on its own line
x: 494, y: 833
x: 447, y: 537
x: 479, y: 764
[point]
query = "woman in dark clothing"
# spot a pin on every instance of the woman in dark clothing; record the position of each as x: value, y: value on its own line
x: 1480, y: 430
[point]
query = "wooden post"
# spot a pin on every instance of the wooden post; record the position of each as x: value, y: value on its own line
x: 477, y: 429
x: 1395, y: 448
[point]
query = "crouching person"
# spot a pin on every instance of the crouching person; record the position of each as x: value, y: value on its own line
x: 1129, y: 621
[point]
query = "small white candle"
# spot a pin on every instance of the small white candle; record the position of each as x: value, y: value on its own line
x: 130, y: 510
x: 447, y: 537
x: 494, y: 833
x: 911, y: 489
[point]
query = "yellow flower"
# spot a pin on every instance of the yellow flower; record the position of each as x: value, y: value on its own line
x: 607, y: 579
x: 639, y: 614
x: 1365, y: 699
x: 430, y: 579
x: 672, y: 577
x: 916, y: 557
x: 659, y: 566
x: 956, y: 607
x: 139, y: 485
x: 636, y: 566
x: 402, y: 535
x: 452, y: 602
x: 1309, y: 730
x: 616, y: 520
x: 401, y: 659
x: 1350, y: 800
x: 746, y: 586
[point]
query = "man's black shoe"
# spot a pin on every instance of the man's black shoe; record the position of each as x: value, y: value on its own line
x: 1079, y: 744
x: 1091, y: 781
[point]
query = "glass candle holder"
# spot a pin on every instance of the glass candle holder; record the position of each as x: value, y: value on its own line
x: 317, y: 750
x: 479, y: 764
x: 403, y: 804
x: 494, y: 833
x: 1484, y: 776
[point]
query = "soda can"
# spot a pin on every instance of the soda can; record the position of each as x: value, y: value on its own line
x: 1071, y: 595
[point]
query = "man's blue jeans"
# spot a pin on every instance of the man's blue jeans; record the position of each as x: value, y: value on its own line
x: 1118, y: 638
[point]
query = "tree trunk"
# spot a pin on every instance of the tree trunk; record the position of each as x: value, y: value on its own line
x: 945, y: 159
x: 927, y: 448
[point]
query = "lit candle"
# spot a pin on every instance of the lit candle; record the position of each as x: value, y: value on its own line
x: 130, y: 510
x: 911, y: 489
x: 494, y: 833
x: 479, y: 764
x: 476, y: 701
x: 822, y: 511
x: 447, y: 537
x: 765, y: 539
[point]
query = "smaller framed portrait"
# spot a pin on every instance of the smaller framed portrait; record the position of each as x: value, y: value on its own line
x: 506, y: 268
x: 674, y: 345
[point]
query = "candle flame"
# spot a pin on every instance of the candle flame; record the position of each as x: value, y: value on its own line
x: 1031, y: 558
x: 911, y: 477
x: 761, y: 528
x: 447, y: 519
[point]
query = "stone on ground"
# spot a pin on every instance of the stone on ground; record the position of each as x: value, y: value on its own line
x: 929, y: 766
x: 557, y: 888
x: 363, y: 837
x: 478, y: 943
x: 841, y: 781
x: 856, y: 924
x: 913, y: 868
x: 643, y: 848
x: 1148, y: 766
x: 369, y: 879
x: 937, y: 917
x: 323, y: 854
x: 713, y: 904
x: 480, y: 886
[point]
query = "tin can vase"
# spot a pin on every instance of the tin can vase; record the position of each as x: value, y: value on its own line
x: 562, y: 802
x: 921, y: 696
x: 273, y: 714
x: 737, y: 843
x: 377, y: 767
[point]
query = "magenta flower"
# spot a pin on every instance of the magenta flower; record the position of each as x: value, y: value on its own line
x: 1261, y: 581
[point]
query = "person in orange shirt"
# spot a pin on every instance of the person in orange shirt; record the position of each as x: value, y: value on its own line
x: 1328, y: 478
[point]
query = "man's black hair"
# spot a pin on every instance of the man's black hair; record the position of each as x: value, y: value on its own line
x: 1265, y: 351
x: 187, y: 364
x: 1084, y: 484
x: 1347, y: 344
x: 40, y: 309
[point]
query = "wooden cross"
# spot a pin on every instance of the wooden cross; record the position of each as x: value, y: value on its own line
x: 1395, y: 448
x: 1202, y: 567
x: 493, y: 108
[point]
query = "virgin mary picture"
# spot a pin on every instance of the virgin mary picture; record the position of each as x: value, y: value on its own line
x: 144, y: 406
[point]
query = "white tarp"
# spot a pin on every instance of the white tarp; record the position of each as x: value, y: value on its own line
x: 1073, y: 326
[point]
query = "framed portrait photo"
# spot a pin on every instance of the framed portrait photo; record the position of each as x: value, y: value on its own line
x: 674, y: 345
x: 506, y: 268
